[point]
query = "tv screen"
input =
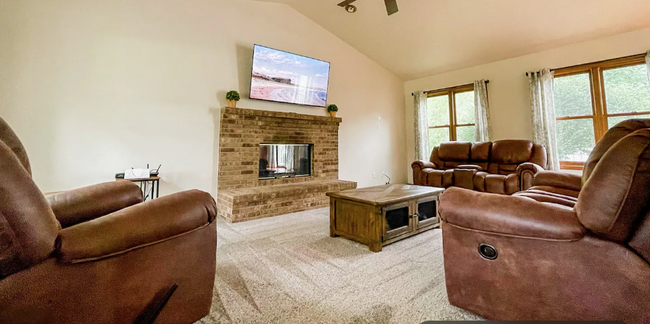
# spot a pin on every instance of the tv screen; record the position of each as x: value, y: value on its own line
x: 285, y: 77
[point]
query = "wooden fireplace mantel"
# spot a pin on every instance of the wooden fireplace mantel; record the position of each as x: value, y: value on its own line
x: 279, y: 114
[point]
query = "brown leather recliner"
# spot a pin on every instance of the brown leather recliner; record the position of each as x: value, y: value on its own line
x: 564, y: 188
x: 503, y: 167
x: 99, y: 254
x: 515, y: 258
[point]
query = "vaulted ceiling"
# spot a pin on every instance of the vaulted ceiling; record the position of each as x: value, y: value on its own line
x: 428, y: 37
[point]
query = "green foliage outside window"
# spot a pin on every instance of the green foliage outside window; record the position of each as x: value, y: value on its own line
x: 626, y: 90
x: 438, y: 115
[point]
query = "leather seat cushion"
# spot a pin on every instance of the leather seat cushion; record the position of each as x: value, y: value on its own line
x: 547, y: 197
x: 557, y: 190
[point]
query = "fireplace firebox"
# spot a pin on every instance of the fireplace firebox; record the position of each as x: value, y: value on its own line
x: 285, y: 160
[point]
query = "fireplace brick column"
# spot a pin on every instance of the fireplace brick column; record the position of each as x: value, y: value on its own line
x: 242, y: 131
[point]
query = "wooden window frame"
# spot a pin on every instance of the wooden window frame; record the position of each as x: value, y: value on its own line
x: 598, y: 102
x: 451, y: 94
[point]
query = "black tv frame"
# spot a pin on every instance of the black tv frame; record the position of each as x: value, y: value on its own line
x: 250, y: 85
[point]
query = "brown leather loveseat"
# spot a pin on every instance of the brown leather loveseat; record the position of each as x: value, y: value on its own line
x: 99, y: 254
x: 532, y: 257
x: 503, y: 167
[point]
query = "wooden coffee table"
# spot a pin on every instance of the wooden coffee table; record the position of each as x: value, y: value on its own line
x: 381, y: 215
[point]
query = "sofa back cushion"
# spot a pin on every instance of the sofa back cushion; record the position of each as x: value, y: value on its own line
x: 480, y: 154
x: 615, y: 198
x: 28, y: 228
x: 454, y: 151
x: 506, y: 155
x: 10, y: 138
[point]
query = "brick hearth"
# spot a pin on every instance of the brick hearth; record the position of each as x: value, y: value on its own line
x: 242, y: 196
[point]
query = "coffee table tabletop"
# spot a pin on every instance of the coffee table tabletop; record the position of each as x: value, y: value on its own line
x: 386, y: 194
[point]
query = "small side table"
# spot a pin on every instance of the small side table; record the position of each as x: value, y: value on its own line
x: 155, y: 186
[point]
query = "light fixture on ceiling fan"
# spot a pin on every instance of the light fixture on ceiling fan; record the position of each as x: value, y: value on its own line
x: 391, y: 6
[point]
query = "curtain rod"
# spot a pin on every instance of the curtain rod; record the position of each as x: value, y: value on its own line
x: 462, y: 85
x: 597, y: 62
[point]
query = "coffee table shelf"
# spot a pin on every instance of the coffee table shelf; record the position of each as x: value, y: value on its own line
x: 377, y: 216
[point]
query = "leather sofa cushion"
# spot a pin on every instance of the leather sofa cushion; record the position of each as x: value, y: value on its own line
x: 615, y: 197
x: 481, y: 151
x: 452, y: 165
x: 540, y: 156
x: 511, y: 151
x: 455, y: 151
x: 464, y: 178
x: 495, y: 183
x: 28, y: 228
x: 507, y: 168
x: 557, y: 190
x: 547, y: 197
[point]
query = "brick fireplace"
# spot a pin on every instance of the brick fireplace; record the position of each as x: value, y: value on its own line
x: 242, y: 195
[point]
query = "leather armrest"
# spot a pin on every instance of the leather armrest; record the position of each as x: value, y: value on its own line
x: 424, y: 165
x: 469, y: 167
x: 558, y: 179
x: 526, y: 172
x: 529, y: 166
x: 83, y: 204
x: 509, y: 215
x: 136, y: 226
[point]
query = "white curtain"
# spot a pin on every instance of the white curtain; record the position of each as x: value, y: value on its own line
x: 481, y: 111
x: 281, y: 158
x: 543, y: 114
x: 647, y: 63
x: 421, y: 126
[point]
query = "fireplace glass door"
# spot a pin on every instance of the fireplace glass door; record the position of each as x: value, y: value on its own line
x: 284, y: 161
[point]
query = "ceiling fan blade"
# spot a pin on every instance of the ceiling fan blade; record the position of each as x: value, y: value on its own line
x: 391, y: 6
x: 345, y: 3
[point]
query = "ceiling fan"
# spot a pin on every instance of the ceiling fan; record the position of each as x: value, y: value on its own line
x: 391, y: 6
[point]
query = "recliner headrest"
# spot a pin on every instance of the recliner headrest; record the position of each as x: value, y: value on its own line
x: 612, y: 136
x: 511, y: 151
x: 616, y: 196
x: 454, y: 151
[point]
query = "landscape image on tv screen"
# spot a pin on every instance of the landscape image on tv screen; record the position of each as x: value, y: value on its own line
x: 285, y: 77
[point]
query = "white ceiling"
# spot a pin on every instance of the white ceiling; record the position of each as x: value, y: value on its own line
x: 428, y: 37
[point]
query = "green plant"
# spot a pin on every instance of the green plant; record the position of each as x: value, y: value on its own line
x: 232, y: 95
x: 332, y: 108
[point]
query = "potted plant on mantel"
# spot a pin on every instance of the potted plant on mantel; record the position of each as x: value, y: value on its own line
x: 232, y: 97
x: 332, y: 109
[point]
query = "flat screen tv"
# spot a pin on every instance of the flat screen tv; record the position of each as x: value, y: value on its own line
x: 285, y: 77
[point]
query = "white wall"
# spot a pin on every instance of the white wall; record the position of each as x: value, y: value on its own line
x: 95, y: 87
x: 508, y: 91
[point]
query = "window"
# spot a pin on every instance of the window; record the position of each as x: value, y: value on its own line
x: 451, y: 115
x: 591, y: 98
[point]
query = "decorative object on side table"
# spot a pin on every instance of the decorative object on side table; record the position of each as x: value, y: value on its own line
x: 232, y: 97
x: 381, y: 215
x: 332, y: 109
x: 150, y: 178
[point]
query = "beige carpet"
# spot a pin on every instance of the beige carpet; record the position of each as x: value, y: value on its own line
x: 286, y: 269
